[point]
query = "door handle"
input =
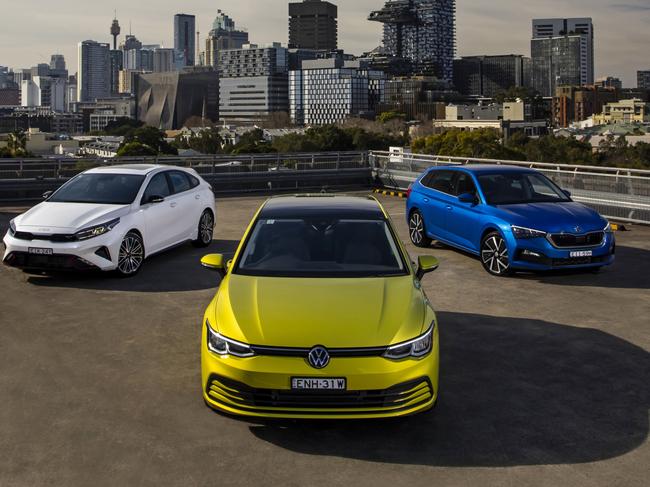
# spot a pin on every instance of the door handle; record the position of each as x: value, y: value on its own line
x: 450, y: 208
x: 173, y: 205
x: 426, y: 200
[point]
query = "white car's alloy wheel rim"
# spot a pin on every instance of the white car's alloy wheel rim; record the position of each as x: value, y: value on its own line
x: 206, y: 227
x: 495, y: 255
x: 416, y: 228
x: 131, y: 255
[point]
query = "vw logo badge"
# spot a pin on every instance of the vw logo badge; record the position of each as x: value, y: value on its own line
x: 318, y: 357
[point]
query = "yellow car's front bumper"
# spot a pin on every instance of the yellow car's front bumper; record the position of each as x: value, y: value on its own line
x: 376, y: 387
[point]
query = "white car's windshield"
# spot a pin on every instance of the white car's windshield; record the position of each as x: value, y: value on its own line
x: 109, y: 189
x: 321, y: 248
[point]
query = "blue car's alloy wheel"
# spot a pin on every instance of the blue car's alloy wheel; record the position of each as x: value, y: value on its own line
x: 494, y: 255
x: 417, y: 230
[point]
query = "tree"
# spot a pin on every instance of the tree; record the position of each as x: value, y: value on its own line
x: 252, y: 142
x: 206, y: 141
x: 385, y: 117
x: 121, y: 126
x: 151, y: 137
x: 17, y: 143
x: 135, y: 149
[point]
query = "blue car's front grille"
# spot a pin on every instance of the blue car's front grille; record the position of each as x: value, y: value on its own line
x: 567, y: 240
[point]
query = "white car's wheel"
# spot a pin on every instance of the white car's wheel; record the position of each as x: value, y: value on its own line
x: 131, y: 255
x: 205, y: 230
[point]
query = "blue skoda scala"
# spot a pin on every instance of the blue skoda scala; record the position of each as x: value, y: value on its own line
x: 512, y: 218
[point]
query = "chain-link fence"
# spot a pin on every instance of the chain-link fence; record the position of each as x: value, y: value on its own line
x: 617, y: 193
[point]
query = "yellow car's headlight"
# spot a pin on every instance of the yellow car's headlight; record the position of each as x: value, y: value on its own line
x: 416, y: 348
x: 221, y: 345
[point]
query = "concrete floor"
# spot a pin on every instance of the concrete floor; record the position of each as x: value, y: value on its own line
x: 545, y: 382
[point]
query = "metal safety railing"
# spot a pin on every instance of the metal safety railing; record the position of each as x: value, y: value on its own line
x: 65, y: 168
x: 617, y: 193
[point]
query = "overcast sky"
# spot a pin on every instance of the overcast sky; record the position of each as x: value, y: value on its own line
x: 33, y: 29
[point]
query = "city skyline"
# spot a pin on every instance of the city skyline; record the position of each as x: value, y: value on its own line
x: 616, y: 55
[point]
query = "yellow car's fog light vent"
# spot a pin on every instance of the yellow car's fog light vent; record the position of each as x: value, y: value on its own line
x: 236, y: 395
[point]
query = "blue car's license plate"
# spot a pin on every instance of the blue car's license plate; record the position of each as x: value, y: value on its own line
x: 582, y: 253
x: 313, y: 384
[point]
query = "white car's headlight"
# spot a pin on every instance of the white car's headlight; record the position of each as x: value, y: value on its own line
x: 12, y: 228
x: 97, y: 230
x: 418, y: 347
x: 526, y: 233
x: 221, y: 345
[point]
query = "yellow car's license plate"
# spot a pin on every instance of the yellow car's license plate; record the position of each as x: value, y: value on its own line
x: 313, y: 384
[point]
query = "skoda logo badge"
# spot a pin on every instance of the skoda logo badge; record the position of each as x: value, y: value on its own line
x: 318, y: 357
x: 578, y: 229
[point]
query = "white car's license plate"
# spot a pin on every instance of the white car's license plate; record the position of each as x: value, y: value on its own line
x: 313, y: 384
x: 582, y: 253
x: 37, y: 251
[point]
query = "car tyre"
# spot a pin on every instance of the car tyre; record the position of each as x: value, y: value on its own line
x: 131, y: 255
x: 495, y: 256
x: 205, y: 231
x: 417, y: 230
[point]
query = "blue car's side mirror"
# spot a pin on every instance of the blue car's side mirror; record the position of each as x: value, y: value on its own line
x: 567, y: 193
x: 468, y: 198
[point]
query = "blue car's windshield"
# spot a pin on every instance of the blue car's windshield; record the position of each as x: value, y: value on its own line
x: 108, y: 189
x: 316, y: 247
x: 511, y: 188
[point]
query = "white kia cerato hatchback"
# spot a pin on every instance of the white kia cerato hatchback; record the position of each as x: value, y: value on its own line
x: 112, y: 219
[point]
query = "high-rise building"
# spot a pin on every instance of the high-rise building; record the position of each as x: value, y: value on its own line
x: 185, y: 37
x: 327, y: 91
x: 643, y: 79
x: 556, y: 62
x: 253, y: 60
x: 418, y: 98
x: 44, y: 92
x: 58, y: 67
x: 562, y: 53
x: 224, y: 35
x: 168, y: 100
x: 423, y: 32
x: 487, y: 76
x: 163, y: 60
x: 94, y: 75
x: 313, y: 24
x: 117, y: 64
x: 253, y: 82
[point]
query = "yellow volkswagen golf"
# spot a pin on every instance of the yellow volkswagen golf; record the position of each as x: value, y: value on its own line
x: 320, y: 315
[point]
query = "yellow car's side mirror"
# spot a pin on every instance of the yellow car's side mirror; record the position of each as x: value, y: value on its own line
x: 426, y: 264
x: 214, y: 262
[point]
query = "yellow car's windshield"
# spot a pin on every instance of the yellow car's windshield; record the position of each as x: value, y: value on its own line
x: 321, y: 247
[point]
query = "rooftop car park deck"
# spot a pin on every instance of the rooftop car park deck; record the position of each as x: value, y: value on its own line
x: 545, y: 381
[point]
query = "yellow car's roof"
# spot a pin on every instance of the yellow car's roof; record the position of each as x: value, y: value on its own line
x: 301, y: 206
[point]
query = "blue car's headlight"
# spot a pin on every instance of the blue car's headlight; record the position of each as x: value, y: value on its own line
x: 521, y: 233
x: 418, y: 347
x: 608, y: 228
x: 221, y: 345
x: 97, y: 230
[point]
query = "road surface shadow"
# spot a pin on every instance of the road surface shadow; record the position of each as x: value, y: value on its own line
x: 631, y: 270
x: 513, y: 392
x: 178, y: 269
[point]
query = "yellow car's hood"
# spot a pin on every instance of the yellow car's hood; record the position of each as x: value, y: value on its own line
x: 335, y: 313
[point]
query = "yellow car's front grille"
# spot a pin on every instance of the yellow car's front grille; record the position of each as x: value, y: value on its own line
x: 236, y: 395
